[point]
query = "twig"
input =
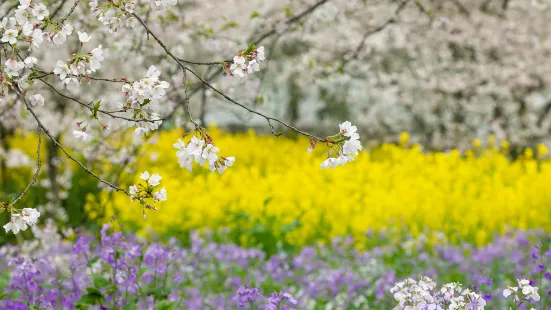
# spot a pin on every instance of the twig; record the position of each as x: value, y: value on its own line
x: 45, y: 74
x: 58, y: 9
x: 70, y: 12
x: 13, y: 6
x: 212, y: 63
x: 292, y: 20
x: 373, y: 31
x: 118, y: 189
x: 110, y: 113
x: 267, y: 118
x: 38, y: 164
x: 187, y: 100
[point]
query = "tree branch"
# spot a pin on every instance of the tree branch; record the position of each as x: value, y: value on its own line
x: 267, y: 118
x: 90, y: 108
x: 35, y: 176
x: 116, y: 188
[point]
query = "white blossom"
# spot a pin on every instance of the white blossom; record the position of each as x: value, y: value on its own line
x: 154, y: 179
x: 37, y: 99
x: 80, y: 135
x: 83, y: 37
x: 16, y: 224
x: 10, y: 36
x: 30, y: 216
x: 40, y: 11
x: 160, y: 195
x: 30, y: 62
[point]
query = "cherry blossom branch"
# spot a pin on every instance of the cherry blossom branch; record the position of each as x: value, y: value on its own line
x: 213, y: 63
x: 261, y: 38
x: 13, y: 6
x: 45, y: 74
x: 70, y: 12
x: 58, y: 9
x: 269, y: 119
x: 373, y: 31
x: 187, y: 100
x: 35, y: 176
x: 292, y: 20
x: 116, y: 188
x: 89, y: 107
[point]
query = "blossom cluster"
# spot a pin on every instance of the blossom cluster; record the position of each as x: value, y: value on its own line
x: 347, y: 142
x: 20, y: 220
x: 142, y: 192
x: 245, y: 62
x: 115, y: 14
x: 529, y: 294
x: 412, y: 294
x: 28, y: 26
x: 25, y: 25
x: 201, y: 150
x: 250, y: 298
x: 79, y: 67
x: 142, y: 102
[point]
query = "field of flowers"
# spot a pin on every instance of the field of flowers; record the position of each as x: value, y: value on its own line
x: 277, y: 232
x: 276, y: 190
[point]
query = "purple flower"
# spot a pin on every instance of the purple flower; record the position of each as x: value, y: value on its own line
x: 82, y: 245
x: 246, y: 295
x: 280, y: 301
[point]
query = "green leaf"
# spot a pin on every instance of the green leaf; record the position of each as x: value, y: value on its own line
x: 129, y: 306
x: 93, y: 297
x: 279, y: 133
x: 254, y: 15
x: 100, y: 281
x: 47, y: 285
x: 159, y: 293
x: 94, y: 291
x: 146, y: 101
x: 288, y: 12
x: 92, y: 261
x: 96, y: 108
x: 229, y: 25
x: 165, y: 305
x: 250, y: 48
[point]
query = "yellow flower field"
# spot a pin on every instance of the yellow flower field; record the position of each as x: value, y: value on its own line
x: 275, y: 181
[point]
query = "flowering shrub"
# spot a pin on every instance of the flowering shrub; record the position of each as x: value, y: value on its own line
x: 116, y: 270
x: 275, y: 193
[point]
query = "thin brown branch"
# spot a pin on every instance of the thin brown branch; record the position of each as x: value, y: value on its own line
x: 70, y: 12
x: 373, y: 31
x: 292, y: 20
x: 267, y: 118
x: 90, y: 108
x: 187, y: 100
x: 37, y: 171
x: 212, y: 63
x: 58, y: 9
x: 45, y: 74
x: 116, y: 188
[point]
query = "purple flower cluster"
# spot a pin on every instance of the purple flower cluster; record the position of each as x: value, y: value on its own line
x: 116, y: 270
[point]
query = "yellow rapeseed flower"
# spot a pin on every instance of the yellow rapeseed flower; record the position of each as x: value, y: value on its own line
x: 276, y: 185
